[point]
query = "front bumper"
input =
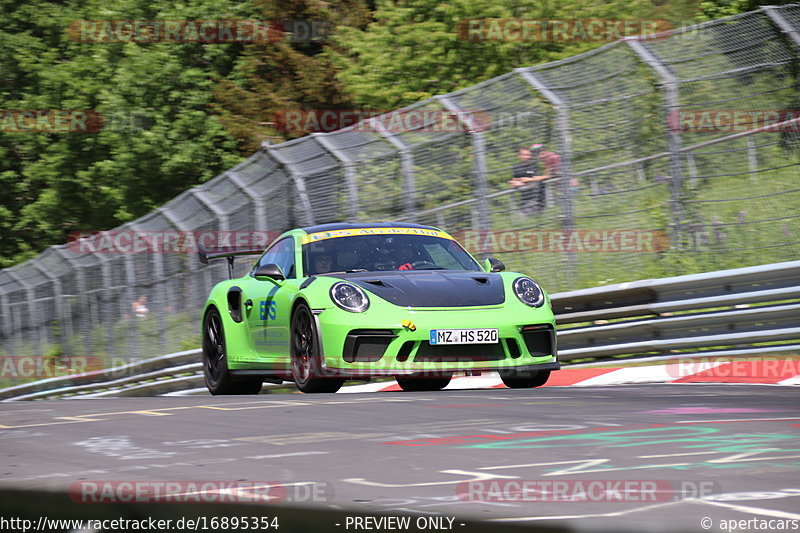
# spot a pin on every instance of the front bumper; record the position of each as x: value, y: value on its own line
x: 360, y: 345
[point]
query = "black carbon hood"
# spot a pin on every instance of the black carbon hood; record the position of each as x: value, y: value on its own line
x: 431, y: 288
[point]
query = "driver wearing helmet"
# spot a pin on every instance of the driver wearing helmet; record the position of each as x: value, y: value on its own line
x: 407, y: 255
x: 323, y: 263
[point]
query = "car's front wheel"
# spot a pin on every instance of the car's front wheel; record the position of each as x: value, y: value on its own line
x: 421, y: 382
x: 215, y: 361
x: 305, y: 355
x: 514, y: 379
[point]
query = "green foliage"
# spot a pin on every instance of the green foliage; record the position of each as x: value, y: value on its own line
x: 270, y: 78
x: 158, y: 137
x: 413, y: 49
x: 176, y: 114
x: 714, y: 9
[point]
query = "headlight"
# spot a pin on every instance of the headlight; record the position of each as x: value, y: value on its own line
x: 528, y: 292
x: 349, y: 297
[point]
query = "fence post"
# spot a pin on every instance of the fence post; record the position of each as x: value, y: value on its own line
x: 479, y: 161
x: 260, y: 223
x: 80, y: 292
x: 203, y: 198
x: 103, y: 301
x: 6, y: 325
x: 784, y: 25
x: 31, y: 310
x: 157, y: 303
x: 193, y: 289
x: 752, y: 158
x: 299, y: 184
x: 58, y: 301
x: 565, y: 153
x: 406, y: 167
x: 349, y: 172
x: 127, y: 309
x: 692, y: 164
x: 671, y: 104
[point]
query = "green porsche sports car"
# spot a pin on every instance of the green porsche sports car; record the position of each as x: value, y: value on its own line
x: 328, y: 303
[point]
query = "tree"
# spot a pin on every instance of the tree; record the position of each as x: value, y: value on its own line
x: 159, y: 136
x: 415, y: 49
x: 291, y: 73
x: 714, y: 9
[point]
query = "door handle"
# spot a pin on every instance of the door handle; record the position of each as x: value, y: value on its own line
x: 248, y: 304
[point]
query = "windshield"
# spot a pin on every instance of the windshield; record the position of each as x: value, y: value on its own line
x: 384, y: 252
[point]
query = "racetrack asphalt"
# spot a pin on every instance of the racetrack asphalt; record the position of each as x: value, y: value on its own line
x: 688, y: 452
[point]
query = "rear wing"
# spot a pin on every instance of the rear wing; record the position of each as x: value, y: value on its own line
x: 206, y: 256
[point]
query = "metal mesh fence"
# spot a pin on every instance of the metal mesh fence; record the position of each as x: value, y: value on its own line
x: 659, y: 158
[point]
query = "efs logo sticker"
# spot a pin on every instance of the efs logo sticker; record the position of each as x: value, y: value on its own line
x: 268, y: 309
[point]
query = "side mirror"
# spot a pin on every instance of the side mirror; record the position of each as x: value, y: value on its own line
x: 269, y: 271
x: 494, y: 265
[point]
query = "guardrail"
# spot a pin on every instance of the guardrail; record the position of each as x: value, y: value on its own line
x: 724, y: 313
x: 725, y: 310
x: 98, y: 380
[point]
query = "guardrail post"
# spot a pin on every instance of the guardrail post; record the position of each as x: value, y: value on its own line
x: 670, y: 84
x: 406, y: 167
x: 349, y: 172
x: 565, y: 152
x: 479, y: 161
x: 299, y: 184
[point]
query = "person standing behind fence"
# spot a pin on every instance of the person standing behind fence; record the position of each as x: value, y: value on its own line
x: 552, y: 166
x: 524, y: 172
x: 550, y: 160
x: 139, y: 307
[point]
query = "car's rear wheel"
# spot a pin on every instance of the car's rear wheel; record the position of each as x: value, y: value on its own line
x: 215, y: 361
x: 421, y: 382
x: 306, y: 367
x: 514, y: 379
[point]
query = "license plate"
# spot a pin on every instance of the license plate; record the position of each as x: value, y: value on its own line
x: 464, y: 336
